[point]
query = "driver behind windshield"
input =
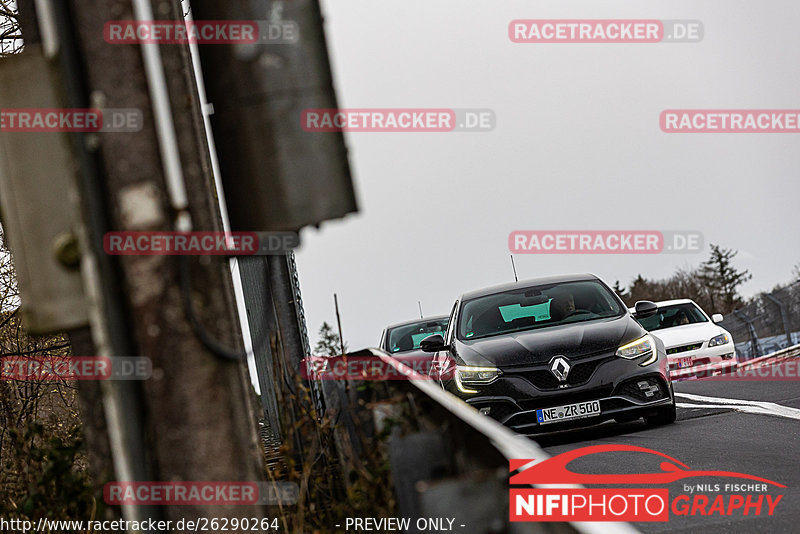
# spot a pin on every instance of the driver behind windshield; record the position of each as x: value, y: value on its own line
x: 681, y: 318
x: 562, y: 306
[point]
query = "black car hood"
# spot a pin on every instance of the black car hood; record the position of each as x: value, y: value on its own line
x: 539, y: 346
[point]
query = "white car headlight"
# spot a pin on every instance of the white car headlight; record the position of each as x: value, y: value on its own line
x: 721, y: 339
x: 642, y: 347
x: 477, y: 376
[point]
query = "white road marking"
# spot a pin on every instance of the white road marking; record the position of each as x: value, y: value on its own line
x: 739, y: 408
x: 742, y: 405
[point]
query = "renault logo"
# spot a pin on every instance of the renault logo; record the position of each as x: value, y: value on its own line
x: 560, y: 368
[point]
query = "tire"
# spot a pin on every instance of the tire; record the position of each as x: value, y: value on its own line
x: 665, y: 416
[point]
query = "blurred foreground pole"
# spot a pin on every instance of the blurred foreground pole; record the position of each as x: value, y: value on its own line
x: 199, y: 424
x: 192, y: 420
x: 277, y: 177
x: 54, y: 216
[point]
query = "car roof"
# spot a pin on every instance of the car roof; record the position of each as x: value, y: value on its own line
x: 674, y: 301
x: 418, y: 320
x: 558, y: 279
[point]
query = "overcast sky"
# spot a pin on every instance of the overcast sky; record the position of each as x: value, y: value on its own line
x: 577, y: 146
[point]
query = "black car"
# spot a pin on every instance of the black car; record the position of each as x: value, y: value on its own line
x: 554, y: 353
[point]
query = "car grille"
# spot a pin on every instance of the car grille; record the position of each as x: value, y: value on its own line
x: 568, y: 398
x: 579, y: 374
x: 633, y: 388
x: 499, y: 410
x: 684, y: 348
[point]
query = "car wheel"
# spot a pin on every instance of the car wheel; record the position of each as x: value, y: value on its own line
x: 665, y: 416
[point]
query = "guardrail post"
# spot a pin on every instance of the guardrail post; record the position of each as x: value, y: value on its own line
x: 784, y: 318
x: 754, y: 346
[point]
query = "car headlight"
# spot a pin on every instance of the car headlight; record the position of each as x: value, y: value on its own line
x: 721, y: 339
x: 645, y: 346
x: 475, y: 376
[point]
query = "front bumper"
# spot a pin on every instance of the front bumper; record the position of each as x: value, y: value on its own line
x: 514, y: 398
x: 617, y: 407
x: 704, y: 361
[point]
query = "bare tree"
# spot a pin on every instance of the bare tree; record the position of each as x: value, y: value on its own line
x: 41, y: 462
x: 10, y: 32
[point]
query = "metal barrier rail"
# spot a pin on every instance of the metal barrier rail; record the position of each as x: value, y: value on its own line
x: 456, y: 459
x: 784, y: 354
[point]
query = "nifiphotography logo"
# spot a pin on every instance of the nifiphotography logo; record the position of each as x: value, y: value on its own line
x: 746, y: 497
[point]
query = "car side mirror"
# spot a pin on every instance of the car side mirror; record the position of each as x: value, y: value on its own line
x: 717, y: 317
x: 644, y: 309
x: 432, y: 343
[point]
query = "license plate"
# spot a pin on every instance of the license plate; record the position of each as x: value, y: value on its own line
x: 567, y: 412
x: 684, y: 362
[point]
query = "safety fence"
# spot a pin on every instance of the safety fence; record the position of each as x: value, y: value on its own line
x: 767, y: 324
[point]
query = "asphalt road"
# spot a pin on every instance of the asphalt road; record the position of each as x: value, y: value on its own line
x: 745, y: 426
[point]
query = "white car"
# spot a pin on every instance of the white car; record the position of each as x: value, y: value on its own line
x: 695, y: 344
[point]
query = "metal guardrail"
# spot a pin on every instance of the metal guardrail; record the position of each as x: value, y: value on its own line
x: 784, y: 354
x: 447, y: 459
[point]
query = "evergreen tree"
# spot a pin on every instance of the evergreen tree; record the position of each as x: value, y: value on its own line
x: 328, y: 343
x: 722, y: 279
x: 620, y: 290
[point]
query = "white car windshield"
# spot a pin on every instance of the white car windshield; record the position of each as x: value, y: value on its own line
x: 675, y: 315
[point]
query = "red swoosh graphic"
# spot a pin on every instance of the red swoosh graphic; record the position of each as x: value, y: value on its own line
x: 554, y: 470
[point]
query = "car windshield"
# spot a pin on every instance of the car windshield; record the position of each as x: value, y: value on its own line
x: 408, y: 337
x: 534, y: 307
x: 676, y: 315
